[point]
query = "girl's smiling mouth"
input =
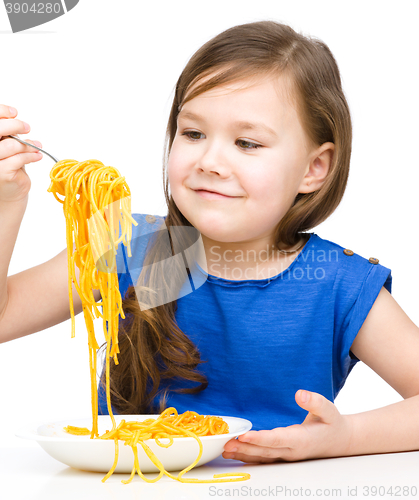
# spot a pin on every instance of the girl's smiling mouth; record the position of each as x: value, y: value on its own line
x: 213, y: 195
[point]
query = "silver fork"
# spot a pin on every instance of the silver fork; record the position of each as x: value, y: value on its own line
x: 32, y: 146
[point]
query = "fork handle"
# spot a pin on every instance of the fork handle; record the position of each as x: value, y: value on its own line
x: 32, y: 146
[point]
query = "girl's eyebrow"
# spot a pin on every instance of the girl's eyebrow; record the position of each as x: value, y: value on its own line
x: 242, y: 124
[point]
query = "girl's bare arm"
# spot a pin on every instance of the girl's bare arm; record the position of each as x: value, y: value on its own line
x: 37, y: 298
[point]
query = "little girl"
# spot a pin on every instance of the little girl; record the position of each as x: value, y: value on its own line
x: 270, y: 322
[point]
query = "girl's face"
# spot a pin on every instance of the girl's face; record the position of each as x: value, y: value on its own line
x: 245, y: 142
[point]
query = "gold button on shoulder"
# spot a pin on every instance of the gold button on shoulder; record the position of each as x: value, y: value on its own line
x: 348, y: 252
x: 150, y: 219
x: 373, y: 260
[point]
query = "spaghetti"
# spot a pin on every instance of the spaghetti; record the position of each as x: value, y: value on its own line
x: 168, y: 425
x: 96, y: 202
x: 97, y: 210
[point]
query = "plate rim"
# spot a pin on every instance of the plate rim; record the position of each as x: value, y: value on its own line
x: 29, y: 430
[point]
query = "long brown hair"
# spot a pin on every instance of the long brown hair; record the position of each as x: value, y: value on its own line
x: 153, y: 350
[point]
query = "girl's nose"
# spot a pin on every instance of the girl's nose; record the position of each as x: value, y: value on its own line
x: 214, y: 161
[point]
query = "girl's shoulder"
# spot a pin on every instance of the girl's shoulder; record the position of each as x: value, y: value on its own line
x: 342, y: 254
x: 348, y: 265
x: 146, y: 223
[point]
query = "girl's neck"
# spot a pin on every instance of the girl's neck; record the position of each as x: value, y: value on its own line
x: 253, y: 260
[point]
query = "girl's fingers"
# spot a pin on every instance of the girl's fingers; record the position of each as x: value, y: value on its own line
x: 275, y: 438
x: 7, y: 111
x: 250, y: 459
x: 257, y: 451
x: 272, y: 444
x: 13, y: 127
x: 10, y: 147
x: 281, y: 437
x: 16, y: 162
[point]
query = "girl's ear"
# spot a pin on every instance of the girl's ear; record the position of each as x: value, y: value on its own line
x: 318, y: 168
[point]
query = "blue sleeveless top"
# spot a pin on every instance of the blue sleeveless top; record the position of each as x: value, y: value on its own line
x: 262, y: 340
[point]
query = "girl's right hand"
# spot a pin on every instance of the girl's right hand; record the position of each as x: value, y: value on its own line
x: 14, y: 181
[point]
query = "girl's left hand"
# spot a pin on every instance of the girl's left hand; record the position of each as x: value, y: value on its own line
x: 324, y: 433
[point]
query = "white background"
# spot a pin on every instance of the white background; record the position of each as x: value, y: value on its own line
x: 98, y: 83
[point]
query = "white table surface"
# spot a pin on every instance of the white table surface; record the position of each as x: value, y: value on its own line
x: 30, y: 473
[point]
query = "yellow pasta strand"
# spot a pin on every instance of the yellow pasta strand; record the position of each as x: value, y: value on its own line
x: 78, y: 431
x: 96, y: 205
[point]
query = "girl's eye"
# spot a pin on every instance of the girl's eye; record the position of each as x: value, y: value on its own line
x: 190, y: 133
x: 252, y: 144
x: 245, y: 144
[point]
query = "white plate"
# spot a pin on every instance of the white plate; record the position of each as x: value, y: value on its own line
x: 98, y: 455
